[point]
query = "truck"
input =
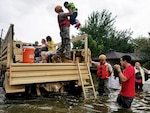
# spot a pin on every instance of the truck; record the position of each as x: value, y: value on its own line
x: 17, y: 77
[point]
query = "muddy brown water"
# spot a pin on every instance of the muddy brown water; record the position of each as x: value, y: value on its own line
x: 70, y: 104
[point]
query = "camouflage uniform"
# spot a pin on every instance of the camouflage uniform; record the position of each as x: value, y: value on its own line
x: 65, y: 36
x: 65, y: 46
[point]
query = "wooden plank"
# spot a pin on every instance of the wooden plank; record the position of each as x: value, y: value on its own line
x: 45, y: 66
x: 44, y: 79
x: 12, y: 89
x: 43, y: 73
x: 9, y: 55
x: 46, y: 70
x: 36, y: 68
x: 42, y: 64
x: 4, y: 57
x: 4, y: 52
x: 86, y: 48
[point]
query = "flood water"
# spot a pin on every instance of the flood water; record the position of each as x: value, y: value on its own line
x: 70, y: 104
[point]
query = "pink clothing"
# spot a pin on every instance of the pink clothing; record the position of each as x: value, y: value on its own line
x: 138, y: 80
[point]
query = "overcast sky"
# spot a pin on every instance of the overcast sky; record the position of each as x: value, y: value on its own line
x: 35, y: 19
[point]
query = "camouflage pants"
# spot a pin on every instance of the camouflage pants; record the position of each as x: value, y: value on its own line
x: 65, y: 43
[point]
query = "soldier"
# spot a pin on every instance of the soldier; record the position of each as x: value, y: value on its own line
x: 64, y: 25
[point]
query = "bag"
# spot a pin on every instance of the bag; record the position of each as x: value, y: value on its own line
x: 113, y: 82
x: 138, y: 75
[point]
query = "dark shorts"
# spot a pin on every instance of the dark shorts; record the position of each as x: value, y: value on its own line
x: 123, y: 101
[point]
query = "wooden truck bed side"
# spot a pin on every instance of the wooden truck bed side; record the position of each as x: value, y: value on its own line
x: 21, y: 74
x: 45, y: 72
x: 7, y: 43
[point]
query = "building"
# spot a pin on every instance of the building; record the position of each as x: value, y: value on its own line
x: 114, y: 57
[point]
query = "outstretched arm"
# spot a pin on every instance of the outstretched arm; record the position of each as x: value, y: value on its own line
x: 146, y: 70
x: 94, y: 63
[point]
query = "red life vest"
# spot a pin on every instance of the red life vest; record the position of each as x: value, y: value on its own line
x: 102, y: 71
x: 64, y: 22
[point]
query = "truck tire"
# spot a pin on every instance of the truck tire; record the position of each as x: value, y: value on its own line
x: 0, y: 78
x: 3, y: 81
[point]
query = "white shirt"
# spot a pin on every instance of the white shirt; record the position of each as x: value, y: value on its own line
x: 148, y: 71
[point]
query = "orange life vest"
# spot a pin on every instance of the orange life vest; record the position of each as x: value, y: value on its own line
x: 102, y: 71
x: 64, y: 22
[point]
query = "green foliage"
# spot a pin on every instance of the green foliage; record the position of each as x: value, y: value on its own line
x: 103, y: 36
x: 78, y: 44
x: 142, y: 46
x: 119, y: 41
x: 98, y: 25
x: 94, y: 47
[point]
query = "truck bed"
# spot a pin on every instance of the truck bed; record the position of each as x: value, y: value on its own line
x: 28, y: 73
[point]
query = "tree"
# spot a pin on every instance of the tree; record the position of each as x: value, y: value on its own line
x: 119, y: 41
x: 142, y: 46
x: 103, y: 36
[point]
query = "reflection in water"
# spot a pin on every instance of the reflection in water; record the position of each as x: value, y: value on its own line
x: 69, y: 104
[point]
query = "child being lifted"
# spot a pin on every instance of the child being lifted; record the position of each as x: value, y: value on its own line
x: 73, y: 20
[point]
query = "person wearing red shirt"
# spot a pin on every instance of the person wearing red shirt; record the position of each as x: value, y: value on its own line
x: 127, y: 78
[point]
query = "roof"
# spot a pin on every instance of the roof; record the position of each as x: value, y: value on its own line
x: 114, y: 55
x: 118, y: 55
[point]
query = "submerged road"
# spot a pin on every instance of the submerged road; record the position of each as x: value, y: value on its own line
x: 70, y: 104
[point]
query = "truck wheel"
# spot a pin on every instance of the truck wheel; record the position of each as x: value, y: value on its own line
x: 3, y: 81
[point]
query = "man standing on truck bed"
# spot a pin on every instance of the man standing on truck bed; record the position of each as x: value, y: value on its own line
x: 64, y: 25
